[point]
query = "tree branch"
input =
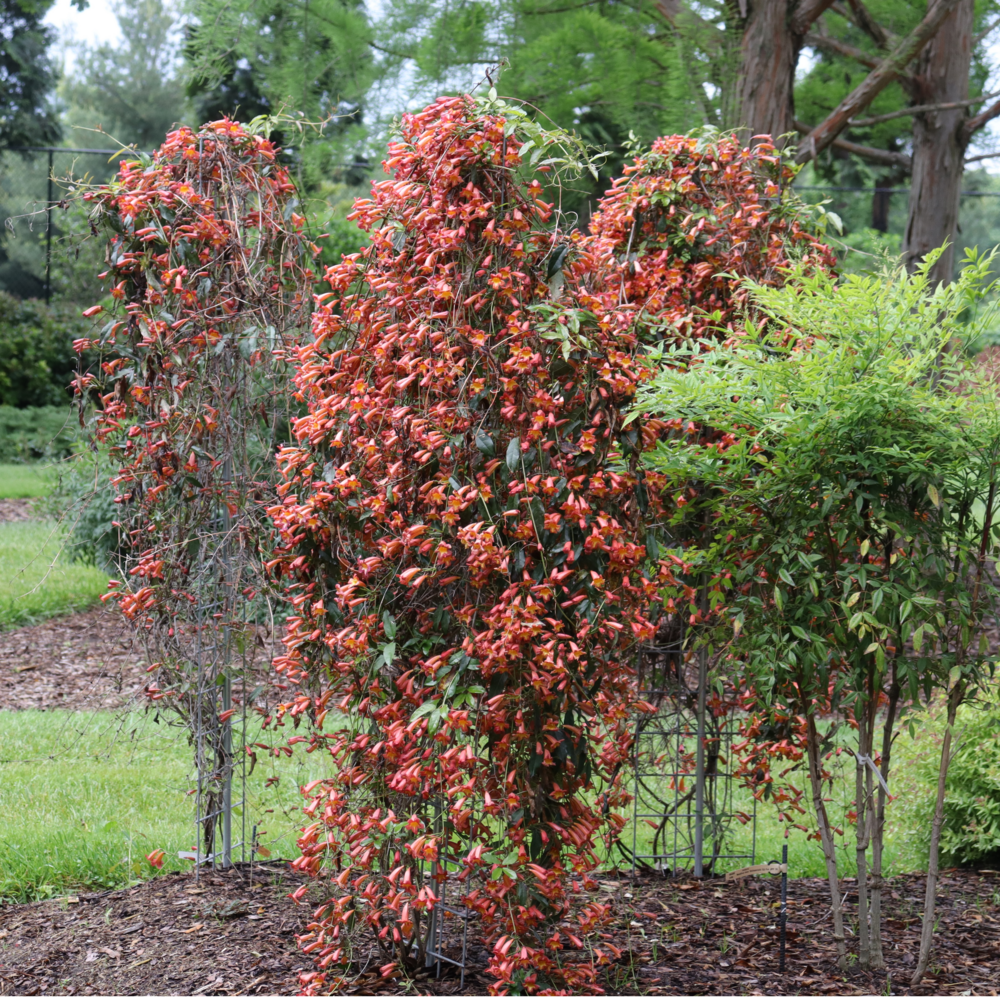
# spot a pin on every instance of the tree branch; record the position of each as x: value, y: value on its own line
x: 879, y: 35
x: 842, y: 48
x: 806, y: 13
x: 919, y: 109
x: 876, y: 81
x: 980, y: 156
x: 864, y: 20
x: 982, y: 34
x: 980, y: 120
x: 883, y: 157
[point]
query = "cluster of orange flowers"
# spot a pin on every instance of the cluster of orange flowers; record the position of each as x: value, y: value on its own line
x: 466, y: 525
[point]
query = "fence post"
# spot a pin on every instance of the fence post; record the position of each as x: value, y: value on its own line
x: 48, y: 232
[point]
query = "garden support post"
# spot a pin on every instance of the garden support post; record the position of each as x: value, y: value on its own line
x: 699, y: 778
x: 227, y: 781
x: 48, y: 233
x: 784, y: 905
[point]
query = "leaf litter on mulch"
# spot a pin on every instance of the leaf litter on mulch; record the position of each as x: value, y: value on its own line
x: 234, y: 933
x: 227, y: 933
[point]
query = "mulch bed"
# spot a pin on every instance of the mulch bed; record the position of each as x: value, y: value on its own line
x: 229, y: 933
x: 82, y: 662
x: 17, y: 510
x: 233, y: 933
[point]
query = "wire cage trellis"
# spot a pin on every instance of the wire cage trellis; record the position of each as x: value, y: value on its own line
x: 683, y: 783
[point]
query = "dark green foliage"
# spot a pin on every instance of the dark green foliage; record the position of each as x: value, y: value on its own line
x: 37, y: 361
x: 37, y: 432
x: 26, y: 74
x: 311, y: 61
x: 600, y: 69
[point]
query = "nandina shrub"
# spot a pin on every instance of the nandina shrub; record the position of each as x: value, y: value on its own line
x: 206, y: 267
x: 467, y: 534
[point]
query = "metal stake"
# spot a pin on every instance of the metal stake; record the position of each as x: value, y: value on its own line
x: 48, y: 234
x: 227, y: 786
x: 699, y: 777
x: 783, y: 917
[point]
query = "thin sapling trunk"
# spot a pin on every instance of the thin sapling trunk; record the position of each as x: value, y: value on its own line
x: 861, y: 785
x: 955, y: 699
x: 826, y: 836
x: 878, y: 831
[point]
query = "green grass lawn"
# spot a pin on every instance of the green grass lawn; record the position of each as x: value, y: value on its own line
x: 84, y: 797
x: 17, y: 481
x: 36, y: 580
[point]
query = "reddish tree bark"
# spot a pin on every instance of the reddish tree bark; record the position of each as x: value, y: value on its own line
x: 891, y: 68
x: 940, y: 139
x: 773, y: 35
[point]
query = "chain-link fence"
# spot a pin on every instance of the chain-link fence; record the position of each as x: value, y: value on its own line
x: 46, y: 248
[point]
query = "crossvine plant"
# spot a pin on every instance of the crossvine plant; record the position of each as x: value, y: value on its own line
x: 208, y: 271
x: 846, y: 468
x: 469, y: 539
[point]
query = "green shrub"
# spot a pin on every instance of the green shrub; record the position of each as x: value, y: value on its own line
x: 37, y: 432
x: 37, y: 361
x: 84, y: 500
x: 971, y: 831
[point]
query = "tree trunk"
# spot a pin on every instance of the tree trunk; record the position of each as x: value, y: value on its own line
x: 880, y: 209
x: 955, y: 698
x: 862, y: 785
x: 826, y: 836
x: 769, y: 53
x: 939, y: 142
x: 773, y: 34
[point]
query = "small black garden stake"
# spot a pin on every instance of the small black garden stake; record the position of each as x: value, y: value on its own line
x: 784, y: 905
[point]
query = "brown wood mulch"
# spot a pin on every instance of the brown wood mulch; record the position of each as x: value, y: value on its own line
x: 233, y: 933
x: 229, y: 933
x: 17, y: 510
x: 82, y: 662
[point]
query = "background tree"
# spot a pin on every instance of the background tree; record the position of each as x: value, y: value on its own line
x: 312, y: 60
x: 27, y: 75
x: 920, y: 123
x: 132, y: 90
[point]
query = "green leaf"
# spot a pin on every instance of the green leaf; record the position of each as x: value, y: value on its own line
x: 934, y: 495
x: 786, y: 576
x: 389, y: 624
x: 425, y: 709
x: 537, y: 511
x: 485, y: 443
x: 514, y: 454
